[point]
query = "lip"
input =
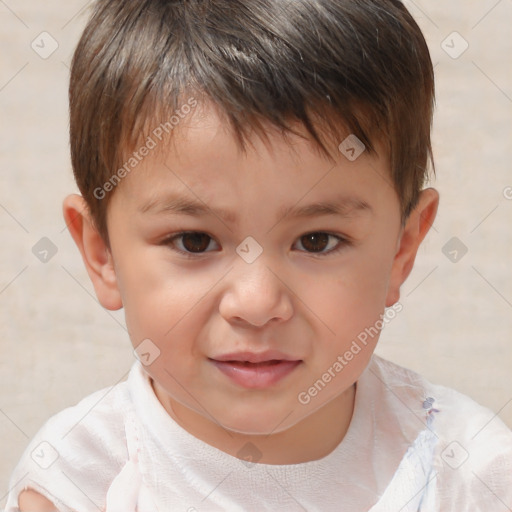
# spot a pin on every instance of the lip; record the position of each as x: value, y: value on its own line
x: 255, y: 357
x: 256, y: 370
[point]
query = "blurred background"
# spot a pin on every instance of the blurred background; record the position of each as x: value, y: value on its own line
x: 57, y: 344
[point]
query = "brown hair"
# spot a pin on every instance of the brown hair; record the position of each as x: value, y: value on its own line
x: 349, y: 66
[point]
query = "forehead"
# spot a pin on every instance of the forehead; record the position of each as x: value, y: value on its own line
x: 201, y: 162
x: 208, y: 125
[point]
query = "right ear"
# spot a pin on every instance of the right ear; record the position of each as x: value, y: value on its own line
x: 95, y: 252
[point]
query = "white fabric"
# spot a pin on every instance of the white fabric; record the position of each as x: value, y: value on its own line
x: 411, y: 447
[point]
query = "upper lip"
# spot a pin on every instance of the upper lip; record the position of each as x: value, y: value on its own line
x: 255, y: 357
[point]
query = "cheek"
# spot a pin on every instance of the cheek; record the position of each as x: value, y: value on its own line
x: 350, y: 302
x: 163, y: 303
x: 351, y: 305
x: 355, y: 297
x: 150, y: 295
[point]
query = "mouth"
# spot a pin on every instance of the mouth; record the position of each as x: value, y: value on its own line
x: 248, y: 364
x: 255, y: 374
x: 268, y: 356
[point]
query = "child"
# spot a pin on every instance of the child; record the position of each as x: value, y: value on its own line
x: 292, y: 139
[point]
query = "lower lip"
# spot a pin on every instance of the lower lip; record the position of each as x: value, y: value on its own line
x: 256, y: 376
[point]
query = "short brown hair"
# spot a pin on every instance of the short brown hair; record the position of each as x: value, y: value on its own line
x: 360, y: 66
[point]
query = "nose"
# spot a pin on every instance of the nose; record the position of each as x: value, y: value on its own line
x: 255, y: 295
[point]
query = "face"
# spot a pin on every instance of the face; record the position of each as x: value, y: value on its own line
x: 251, y: 278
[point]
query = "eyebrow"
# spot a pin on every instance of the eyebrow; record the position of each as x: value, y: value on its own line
x: 343, y: 206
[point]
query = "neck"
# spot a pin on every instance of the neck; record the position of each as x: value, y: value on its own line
x: 313, y: 438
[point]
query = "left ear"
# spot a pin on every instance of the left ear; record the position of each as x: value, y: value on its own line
x: 416, y: 227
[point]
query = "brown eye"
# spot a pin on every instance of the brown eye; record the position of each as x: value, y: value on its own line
x: 189, y: 243
x: 322, y: 243
x: 315, y: 242
x: 195, y: 242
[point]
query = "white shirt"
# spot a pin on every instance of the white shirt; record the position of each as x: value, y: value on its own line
x: 411, y: 447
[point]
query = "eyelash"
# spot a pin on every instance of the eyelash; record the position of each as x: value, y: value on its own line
x: 342, y: 243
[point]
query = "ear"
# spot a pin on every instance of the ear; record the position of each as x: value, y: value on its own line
x: 95, y: 252
x: 416, y: 227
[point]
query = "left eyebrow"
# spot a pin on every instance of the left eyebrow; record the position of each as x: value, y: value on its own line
x: 344, y: 206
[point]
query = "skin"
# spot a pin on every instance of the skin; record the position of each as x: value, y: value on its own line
x: 305, y: 299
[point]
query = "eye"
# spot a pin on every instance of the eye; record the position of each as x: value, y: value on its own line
x: 322, y: 243
x: 196, y: 242
x: 189, y: 242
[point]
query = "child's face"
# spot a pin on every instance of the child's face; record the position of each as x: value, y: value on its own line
x: 307, y: 297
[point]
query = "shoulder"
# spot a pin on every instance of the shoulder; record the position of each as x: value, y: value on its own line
x: 472, y: 464
x: 82, y: 447
x: 96, y: 422
x: 474, y: 453
x: 392, y: 374
x: 457, y: 415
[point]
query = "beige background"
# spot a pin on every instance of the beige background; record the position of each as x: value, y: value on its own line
x: 58, y: 344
